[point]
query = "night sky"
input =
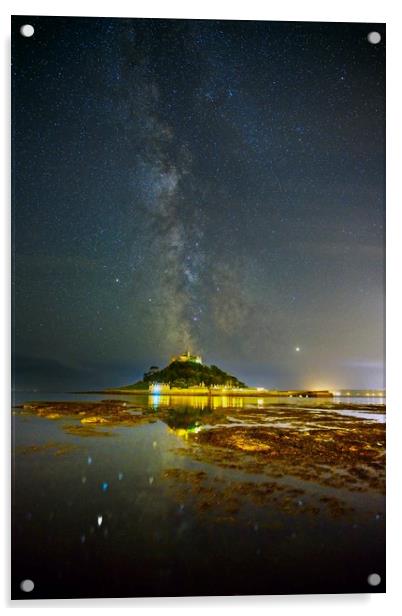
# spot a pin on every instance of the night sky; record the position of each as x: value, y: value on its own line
x: 215, y: 185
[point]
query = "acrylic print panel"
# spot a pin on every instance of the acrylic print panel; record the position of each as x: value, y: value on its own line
x: 198, y: 247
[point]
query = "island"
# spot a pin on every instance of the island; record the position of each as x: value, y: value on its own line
x: 186, y: 374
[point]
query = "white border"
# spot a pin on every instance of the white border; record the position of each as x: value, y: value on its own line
x: 286, y: 10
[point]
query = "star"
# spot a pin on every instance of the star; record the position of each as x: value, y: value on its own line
x: 206, y: 174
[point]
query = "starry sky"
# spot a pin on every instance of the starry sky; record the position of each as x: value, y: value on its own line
x: 212, y: 185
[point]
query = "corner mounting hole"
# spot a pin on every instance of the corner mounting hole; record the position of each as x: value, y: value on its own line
x: 374, y: 38
x: 374, y: 579
x: 27, y: 30
x: 27, y: 585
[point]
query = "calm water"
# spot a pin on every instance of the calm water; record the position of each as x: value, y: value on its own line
x: 96, y: 516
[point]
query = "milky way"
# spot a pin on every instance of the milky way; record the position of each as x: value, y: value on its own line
x: 210, y: 185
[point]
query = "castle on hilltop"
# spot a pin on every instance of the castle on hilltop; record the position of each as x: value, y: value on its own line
x: 184, y: 357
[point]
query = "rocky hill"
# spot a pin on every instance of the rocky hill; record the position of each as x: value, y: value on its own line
x: 187, y: 374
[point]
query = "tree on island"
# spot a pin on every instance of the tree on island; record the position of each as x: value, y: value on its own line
x: 187, y: 374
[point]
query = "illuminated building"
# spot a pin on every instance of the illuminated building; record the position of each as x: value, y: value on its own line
x: 159, y: 388
x: 197, y: 359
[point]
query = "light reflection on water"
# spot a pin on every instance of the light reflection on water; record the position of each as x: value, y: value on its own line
x: 95, y: 516
x: 199, y: 402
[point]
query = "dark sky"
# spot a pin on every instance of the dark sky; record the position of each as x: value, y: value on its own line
x: 216, y: 185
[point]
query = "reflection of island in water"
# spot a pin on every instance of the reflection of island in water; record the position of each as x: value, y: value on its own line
x: 291, y: 487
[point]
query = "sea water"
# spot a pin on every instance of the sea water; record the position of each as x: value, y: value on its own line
x: 95, y: 516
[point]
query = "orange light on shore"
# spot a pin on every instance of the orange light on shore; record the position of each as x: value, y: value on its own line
x: 321, y: 387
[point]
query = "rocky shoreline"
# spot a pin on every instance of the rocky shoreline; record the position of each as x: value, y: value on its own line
x: 314, y: 444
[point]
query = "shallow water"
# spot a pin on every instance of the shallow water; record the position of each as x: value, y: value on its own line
x: 150, y: 509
